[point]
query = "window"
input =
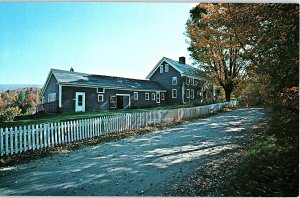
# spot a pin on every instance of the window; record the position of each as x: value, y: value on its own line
x: 166, y: 67
x: 188, y: 80
x: 79, y: 100
x: 161, y: 69
x: 146, y: 96
x: 192, y: 94
x: 188, y: 93
x: 174, y: 93
x: 100, y: 97
x: 153, y: 96
x: 51, y: 97
x: 100, y: 90
x: 174, y: 80
x: 162, y: 96
x: 135, y: 95
x: 193, y: 81
x: 113, y: 102
x: 43, y: 100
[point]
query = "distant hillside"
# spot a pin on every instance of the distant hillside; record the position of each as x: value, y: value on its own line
x: 4, y: 87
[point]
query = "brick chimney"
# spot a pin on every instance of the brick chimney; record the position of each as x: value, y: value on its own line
x: 182, y: 60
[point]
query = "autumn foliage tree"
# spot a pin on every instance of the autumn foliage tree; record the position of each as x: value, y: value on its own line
x: 261, y: 39
x: 215, y: 45
x: 15, y: 102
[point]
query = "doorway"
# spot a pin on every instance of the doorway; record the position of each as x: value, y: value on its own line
x: 80, y: 102
x: 123, y: 101
x: 120, y: 102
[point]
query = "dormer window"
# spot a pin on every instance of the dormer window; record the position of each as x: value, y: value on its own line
x: 161, y: 69
x: 166, y: 67
x: 100, y: 90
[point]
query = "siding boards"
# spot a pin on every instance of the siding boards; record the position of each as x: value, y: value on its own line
x: 91, y: 99
x: 165, y: 79
x: 51, y: 88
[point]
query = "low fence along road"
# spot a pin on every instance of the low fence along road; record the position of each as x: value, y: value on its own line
x: 32, y: 137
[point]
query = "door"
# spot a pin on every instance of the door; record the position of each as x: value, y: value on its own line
x: 158, y: 97
x: 80, y: 102
x: 119, y: 102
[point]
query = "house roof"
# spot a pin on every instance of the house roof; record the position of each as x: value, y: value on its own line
x: 92, y: 80
x: 183, y: 69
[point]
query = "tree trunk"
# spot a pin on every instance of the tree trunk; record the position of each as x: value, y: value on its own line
x: 227, y: 94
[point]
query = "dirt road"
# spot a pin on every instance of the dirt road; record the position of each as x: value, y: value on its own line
x: 138, y: 165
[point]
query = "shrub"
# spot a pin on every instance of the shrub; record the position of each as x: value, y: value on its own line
x: 8, y: 114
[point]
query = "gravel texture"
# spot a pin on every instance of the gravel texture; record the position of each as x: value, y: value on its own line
x: 159, y: 163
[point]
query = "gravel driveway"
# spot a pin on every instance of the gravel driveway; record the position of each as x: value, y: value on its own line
x: 138, y: 165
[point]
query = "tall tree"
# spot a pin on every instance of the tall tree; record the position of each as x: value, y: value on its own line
x: 269, y: 34
x: 215, y: 46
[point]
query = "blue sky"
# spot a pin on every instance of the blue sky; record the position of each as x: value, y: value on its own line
x: 119, y: 39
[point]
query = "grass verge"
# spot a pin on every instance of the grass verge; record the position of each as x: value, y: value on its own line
x: 271, y: 163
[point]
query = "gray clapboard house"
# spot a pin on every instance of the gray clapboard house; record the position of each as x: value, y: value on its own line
x: 169, y: 82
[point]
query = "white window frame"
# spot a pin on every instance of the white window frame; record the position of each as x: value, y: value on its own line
x: 192, y: 94
x: 166, y: 67
x: 157, y: 97
x: 102, y: 97
x: 113, y: 103
x: 188, y: 93
x: 51, y: 97
x: 103, y: 90
x: 161, y: 69
x: 162, y: 96
x: 135, y: 95
x: 188, y: 81
x: 174, y: 91
x: 193, y: 81
x: 174, y: 80
x: 153, y: 96
x: 146, y: 96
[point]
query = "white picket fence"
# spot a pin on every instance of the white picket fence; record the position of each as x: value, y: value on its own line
x: 21, y: 139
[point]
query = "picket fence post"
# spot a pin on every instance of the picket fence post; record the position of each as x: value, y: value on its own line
x: 20, y: 138
x: 25, y: 138
x: 1, y: 143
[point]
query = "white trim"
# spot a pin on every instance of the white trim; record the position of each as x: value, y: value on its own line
x: 107, y: 87
x: 59, y: 95
x: 147, y: 94
x: 49, y: 96
x: 153, y: 94
x: 47, y: 82
x: 188, y: 93
x: 101, y: 96
x: 199, y: 78
x: 135, y: 94
x: 182, y: 92
x: 158, y: 97
x: 192, y: 94
x: 188, y: 81
x: 175, y: 92
x: 161, y: 69
x: 166, y: 68
x: 173, y: 79
x: 158, y: 64
x: 100, y: 91
x: 77, y: 109
x: 129, y: 102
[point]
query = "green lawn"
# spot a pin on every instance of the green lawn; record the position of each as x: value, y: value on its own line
x: 29, y: 120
